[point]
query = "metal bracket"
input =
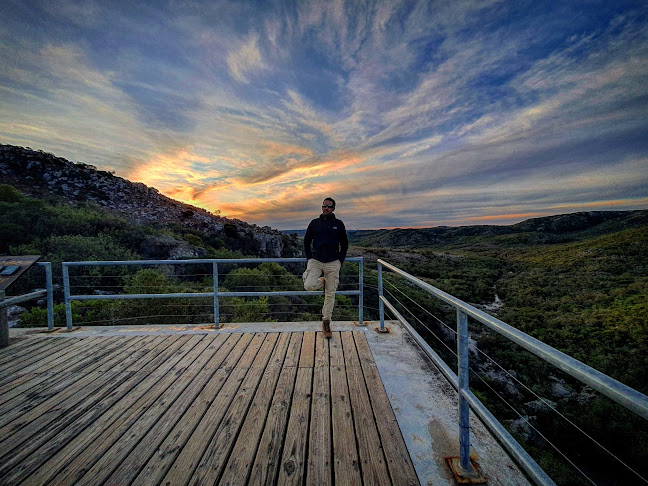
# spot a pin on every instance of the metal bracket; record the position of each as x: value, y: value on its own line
x: 461, y: 476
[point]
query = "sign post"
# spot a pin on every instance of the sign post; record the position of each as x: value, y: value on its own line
x: 11, y: 267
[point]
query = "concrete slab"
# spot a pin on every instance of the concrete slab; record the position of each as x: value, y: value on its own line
x: 427, y: 409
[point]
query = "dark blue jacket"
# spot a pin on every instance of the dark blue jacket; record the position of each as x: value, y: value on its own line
x: 326, y: 239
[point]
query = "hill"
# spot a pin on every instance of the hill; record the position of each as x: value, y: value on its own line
x: 561, y: 228
x: 44, y: 176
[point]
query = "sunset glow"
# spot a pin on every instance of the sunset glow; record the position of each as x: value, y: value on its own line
x: 408, y: 114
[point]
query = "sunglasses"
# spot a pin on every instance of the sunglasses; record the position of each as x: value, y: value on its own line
x: 327, y: 206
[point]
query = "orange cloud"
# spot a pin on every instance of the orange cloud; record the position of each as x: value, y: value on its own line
x: 289, y: 200
x: 506, y: 216
x: 166, y: 167
x: 306, y: 169
x: 274, y: 149
x: 642, y: 201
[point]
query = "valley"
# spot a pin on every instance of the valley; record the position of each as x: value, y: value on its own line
x: 578, y: 282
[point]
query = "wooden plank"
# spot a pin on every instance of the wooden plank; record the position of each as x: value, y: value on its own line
x: 145, y: 350
x: 307, y: 357
x: 267, y: 351
x: 278, y: 356
x: 253, y: 436
x: 45, y: 406
x: 372, y: 460
x: 9, y: 390
x: 321, y: 351
x: 66, y: 355
x: 242, y: 457
x: 18, y: 344
x: 100, y: 440
x: 45, y: 443
x: 20, y: 348
x: 319, y: 468
x: 68, y: 343
x: 292, y: 469
x: 294, y: 350
x: 266, y: 463
x: 138, y: 399
x: 55, y: 390
x: 49, y: 384
x: 188, y: 459
x: 24, y: 382
x: 130, y: 467
x: 36, y: 420
x: 106, y: 457
x: 250, y: 354
x: 33, y: 355
x: 168, y: 362
x: 42, y: 353
x: 221, y: 351
x: 211, y: 466
x: 236, y: 355
x: 219, y: 386
x: 399, y: 462
x: 346, y: 465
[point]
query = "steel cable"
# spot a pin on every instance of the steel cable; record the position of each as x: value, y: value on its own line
x: 544, y: 401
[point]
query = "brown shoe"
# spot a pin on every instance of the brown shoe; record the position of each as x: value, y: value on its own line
x: 326, y: 328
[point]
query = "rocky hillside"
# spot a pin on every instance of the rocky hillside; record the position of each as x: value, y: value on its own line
x: 43, y: 175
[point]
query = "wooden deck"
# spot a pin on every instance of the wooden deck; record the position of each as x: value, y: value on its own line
x: 178, y: 409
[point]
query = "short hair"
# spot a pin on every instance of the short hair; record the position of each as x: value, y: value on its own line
x: 330, y: 199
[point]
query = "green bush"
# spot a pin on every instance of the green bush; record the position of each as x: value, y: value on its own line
x: 10, y: 194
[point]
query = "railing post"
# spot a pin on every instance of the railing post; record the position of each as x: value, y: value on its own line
x: 381, y: 305
x: 66, y: 295
x: 463, y: 376
x: 50, y: 295
x: 4, y: 323
x: 216, y: 309
x: 360, y: 297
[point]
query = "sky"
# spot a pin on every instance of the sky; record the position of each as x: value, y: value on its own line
x: 407, y: 113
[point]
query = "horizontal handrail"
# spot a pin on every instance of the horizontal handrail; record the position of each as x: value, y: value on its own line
x: 203, y: 294
x: 22, y: 298
x: 613, y: 389
x: 196, y: 261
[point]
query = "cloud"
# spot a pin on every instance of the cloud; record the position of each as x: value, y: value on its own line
x: 409, y: 113
x: 246, y: 60
x: 68, y: 104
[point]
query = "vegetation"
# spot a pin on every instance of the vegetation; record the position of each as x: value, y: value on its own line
x: 583, y: 292
x: 580, y: 286
x: 60, y: 232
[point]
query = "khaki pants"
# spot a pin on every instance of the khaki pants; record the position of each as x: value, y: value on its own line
x: 314, y: 281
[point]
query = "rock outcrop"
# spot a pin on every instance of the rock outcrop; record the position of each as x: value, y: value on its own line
x: 43, y: 175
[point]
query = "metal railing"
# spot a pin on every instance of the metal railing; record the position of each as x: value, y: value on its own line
x: 215, y: 294
x: 6, y: 302
x: 613, y: 389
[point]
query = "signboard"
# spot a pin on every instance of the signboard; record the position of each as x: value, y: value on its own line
x: 12, y: 267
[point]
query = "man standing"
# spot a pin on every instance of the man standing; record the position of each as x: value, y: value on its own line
x: 325, y: 246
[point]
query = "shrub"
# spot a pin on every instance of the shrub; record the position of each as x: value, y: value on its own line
x: 10, y: 194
